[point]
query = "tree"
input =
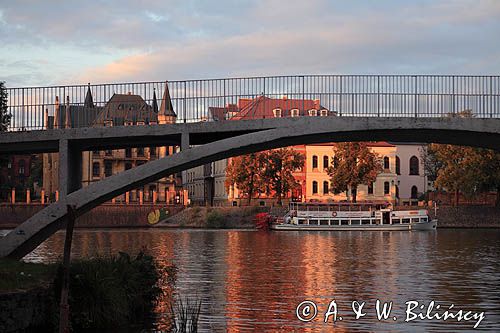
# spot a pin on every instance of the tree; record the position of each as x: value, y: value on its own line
x: 4, y: 116
x: 355, y: 164
x: 464, y: 169
x: 246, y: 173
x: 280, y: 164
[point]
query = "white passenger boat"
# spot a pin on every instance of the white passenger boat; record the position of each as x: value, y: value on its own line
x: 349, y: 216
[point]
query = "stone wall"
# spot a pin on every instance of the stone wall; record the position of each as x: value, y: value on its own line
x: 23, y: 310
x: 104, y: 216
x: 468, y: 217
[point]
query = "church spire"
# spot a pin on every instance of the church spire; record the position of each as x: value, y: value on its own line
x: 155, y: 102
x: 89, y: 101
x: 166, y: 108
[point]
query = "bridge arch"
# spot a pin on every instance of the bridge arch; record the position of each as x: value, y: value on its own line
x: 472, y: 132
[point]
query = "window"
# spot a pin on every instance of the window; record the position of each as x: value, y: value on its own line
x: 387, y: 188
x: 315, y: 162
x: 128, y: 152
x: 109, y: 152
x: 96, y: 169
x: 128, y: 166
x: 325, y: 187
x: 414, y: 192
x: 294, y: 112
x: 140, y: 151
x: 108, y: 123
x: 152, y: 151
x: 325, y: 162
x: 370, y: 188
x: 335, y: 161
x: 414, y: 165
x: 313, y: 112
x: 140, y: 123
x: 324, y: 113
x: 108, y: 168
x: 21, y: 165
x: 277, y: 113
x: 398, y: 166
x: 315, y: 187
x: 386, y: 163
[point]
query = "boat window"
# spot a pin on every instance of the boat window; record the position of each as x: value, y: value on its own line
x: 300, y: 221
x: 323, y: 222
x: 344, y: 222
x: 365, y: 221
x: 356, y: 222
x: 313, y: 222
x: 406, y: 220
x: 423, y: 219
x: 394, y: 221
x: 415, y: 220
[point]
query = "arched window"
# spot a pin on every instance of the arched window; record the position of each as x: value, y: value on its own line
x: 414, y: 192
x: 294, y: 112
x: 277, y: 113
x: 387, y: 188
x: 414, y: 165
x: 315, y: 187
x: 398, y: 166
x: 325, y: 162
x: 370, y: 188
x: 22, y: 167
x: 108, y: 168
x: 386, y: 163
x: 325, y: 187
x: 315, y: 162
x: 96, y: 169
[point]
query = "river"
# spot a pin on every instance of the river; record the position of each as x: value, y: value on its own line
x: 253, y: 281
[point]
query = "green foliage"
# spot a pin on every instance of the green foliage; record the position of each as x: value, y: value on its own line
x: 215, y: 219
x: 246, y: 172
x: 115, y: 291
x: 354, y: 164
x: 19, y: 275
x: 464, y: 169
x: 279, y: 168
x: 4, y: 116
x: 185, y: 315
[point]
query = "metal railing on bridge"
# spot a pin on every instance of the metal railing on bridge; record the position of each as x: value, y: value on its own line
x: 37, y: 108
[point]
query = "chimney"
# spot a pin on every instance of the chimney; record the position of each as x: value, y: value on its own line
x: 67, y: 121
x: 56, y: 113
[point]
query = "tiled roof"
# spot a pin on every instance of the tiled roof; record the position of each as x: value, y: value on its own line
x: 126, y: 107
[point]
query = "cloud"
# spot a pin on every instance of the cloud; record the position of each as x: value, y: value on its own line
x: 158, y: 40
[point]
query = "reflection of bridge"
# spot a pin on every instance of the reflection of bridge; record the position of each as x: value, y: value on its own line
x: 216, y: 140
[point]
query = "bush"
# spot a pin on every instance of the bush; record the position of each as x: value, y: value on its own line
x: 215, y: 219
x: 115, y: 291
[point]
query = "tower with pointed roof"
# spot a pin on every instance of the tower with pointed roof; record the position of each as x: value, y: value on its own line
x: 166, y: 113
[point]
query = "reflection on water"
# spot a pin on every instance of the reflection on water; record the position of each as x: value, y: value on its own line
x: 253, y: 281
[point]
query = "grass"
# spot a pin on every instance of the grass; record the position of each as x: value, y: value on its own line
x: 185, y: 315
x: 216, y: 219
x: 17, y: 275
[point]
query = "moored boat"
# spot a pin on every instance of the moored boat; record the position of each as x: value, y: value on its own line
x: 349, y: 216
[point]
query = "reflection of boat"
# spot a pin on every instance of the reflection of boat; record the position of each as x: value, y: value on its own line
x: 349, y: 216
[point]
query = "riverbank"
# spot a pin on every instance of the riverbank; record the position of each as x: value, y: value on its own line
x: 467, y: 217
x: 214, y: 218
x: 105, y: 292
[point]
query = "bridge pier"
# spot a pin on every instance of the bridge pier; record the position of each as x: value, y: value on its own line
x: 70, y: 169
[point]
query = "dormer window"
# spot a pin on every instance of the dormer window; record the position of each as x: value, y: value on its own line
x: 277, y: 113
x: 153, y: 122
x: 108, y: 123
x: 129, y: 123
x: 324, y: 113
x: 313, y: 112
x: 294, y: 112
x: 140, y: 123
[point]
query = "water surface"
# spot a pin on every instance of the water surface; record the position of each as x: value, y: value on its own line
x: 253, y: 281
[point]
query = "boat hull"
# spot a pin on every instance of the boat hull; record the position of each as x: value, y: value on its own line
x: 384, y: 227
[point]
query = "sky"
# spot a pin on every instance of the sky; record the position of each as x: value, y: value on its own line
x: 75, y: 42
